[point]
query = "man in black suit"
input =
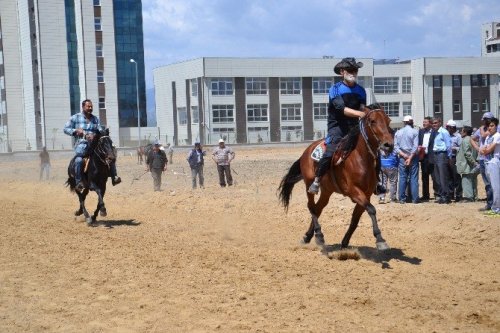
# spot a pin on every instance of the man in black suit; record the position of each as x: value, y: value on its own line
x: 426, y: 143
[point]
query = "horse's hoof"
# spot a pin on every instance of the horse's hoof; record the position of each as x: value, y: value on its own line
x: 382, y: 246
x: 89, y: 221
x: 78, y: 212
x: 103, y: 212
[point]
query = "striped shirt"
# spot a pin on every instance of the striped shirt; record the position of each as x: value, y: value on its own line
x: 406, y: 140
x: 78, y: 120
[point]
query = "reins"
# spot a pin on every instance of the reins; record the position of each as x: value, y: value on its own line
x: 99, y: 151
x: 362, y: 129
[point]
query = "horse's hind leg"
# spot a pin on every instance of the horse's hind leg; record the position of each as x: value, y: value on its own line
x: 315, y: 209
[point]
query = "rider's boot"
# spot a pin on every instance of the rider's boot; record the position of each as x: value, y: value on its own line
x: 80, y: 186
x: 323, y: 166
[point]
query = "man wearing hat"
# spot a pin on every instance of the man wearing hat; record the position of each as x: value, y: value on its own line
x: 479, y: 141
x: 222, y: 157
x: 455, y: 178
x: 405, y: 146
x: 156, y: 162
x: 346, y: 99
x: 196, y: 162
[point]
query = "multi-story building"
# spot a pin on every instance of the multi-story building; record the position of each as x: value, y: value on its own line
x: 490, y: 39
x: 248, y: 100
x: 54, y: 54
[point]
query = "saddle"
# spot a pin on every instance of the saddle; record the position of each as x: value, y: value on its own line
x: 343, y: 150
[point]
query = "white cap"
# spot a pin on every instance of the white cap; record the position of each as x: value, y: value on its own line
x: 407, y: 118
x: 221, y: 140
x: 451, y: 123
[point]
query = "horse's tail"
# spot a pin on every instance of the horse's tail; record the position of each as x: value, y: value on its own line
x: 285, y: 189
x: 71, y: 179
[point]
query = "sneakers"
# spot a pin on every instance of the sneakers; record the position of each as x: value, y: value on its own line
x: 314, y: 188
x: 115, y: 181
x: 492, y: 213
x: 80, y: 187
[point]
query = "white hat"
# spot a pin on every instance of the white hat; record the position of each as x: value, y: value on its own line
x: 451, y: 123
x: 407, y: 118
x: 221, y: 140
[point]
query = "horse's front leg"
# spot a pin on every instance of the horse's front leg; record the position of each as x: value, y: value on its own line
x: 380, y: 241
x: 101, y: 208
x: 83, y: 210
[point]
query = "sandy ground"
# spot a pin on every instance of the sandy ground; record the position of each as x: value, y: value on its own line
x: 229, y: 259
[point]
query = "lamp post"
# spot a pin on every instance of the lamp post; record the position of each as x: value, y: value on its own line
x: 137, y: 90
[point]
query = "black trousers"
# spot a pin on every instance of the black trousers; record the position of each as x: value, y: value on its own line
x: 427, y: 171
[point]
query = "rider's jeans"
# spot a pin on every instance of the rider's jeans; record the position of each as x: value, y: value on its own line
x: 80, y: 152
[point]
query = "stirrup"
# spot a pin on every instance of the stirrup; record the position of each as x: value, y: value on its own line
x: 314, y: 188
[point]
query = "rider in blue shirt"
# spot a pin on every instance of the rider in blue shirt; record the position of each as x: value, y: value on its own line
x: 346, y: 99
x: 83, y: 126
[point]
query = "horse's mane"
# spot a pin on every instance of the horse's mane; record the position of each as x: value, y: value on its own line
x: 348, y: 143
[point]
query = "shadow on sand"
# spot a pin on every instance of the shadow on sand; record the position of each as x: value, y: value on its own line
x: 376, y: 256
x: 115, y: 223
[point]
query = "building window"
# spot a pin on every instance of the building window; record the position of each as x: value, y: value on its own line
x: 391, y: 108
x: 475, y: 106
x: 257, y: 112
x: 194, y: 87
x: 195, y: 116
x: 222, y: 86
x: 437, y: 107
x: 485, y: 105
x: 320, y: 111
x: 256, y: 85
x: 182, y: 113
x: 406, y: 108
x: 100, y: 76
x: 406, y: 82
x: 290, y: 86
x: 457, y: 106
x: 102, y: 102
x: 437, y: 81
x: 292, y: 133
x: 479, y: 80
x: 97, y: 24
x: 386, y: 85
x: 457, y: 81
x: 98, y: 50
x: 223, y: 113
x: 290, y: 112
x: 321, y: 85
x: 97, y: 2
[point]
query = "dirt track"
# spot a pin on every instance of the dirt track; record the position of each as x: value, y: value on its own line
x: 228, y: 259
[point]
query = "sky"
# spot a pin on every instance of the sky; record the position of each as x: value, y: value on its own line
x: 179, y: 30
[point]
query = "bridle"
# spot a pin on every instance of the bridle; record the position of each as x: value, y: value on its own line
x: 100, y: 152
x: 362, y: 129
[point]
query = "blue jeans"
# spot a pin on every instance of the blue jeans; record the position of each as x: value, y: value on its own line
x: 408, y: 174
x: 80, y: 152
x: 487, y: 184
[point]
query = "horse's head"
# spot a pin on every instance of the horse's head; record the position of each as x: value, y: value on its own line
x: 104, y: 147
x: 378, y: 122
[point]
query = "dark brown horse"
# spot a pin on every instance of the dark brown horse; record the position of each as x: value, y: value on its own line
x: 355, y: 177
x: 142, y: 153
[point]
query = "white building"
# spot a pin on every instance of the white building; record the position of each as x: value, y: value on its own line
x: 248, y: 100
x: 54, y: 54
x: 490, y: 39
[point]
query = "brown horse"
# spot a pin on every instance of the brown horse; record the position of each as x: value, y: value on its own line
x: 142, y: 152
x: 355, y: 177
